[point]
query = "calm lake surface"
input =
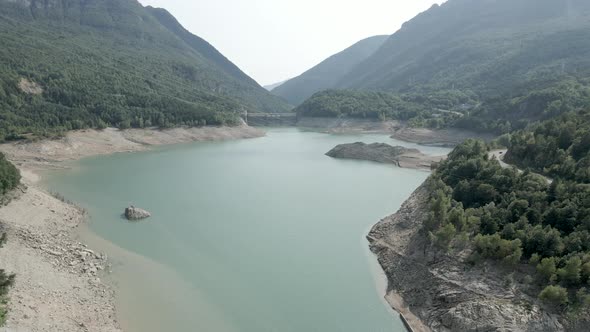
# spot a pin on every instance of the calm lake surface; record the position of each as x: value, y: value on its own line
x: 252, y: 235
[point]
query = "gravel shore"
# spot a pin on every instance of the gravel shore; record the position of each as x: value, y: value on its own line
x: 58, y: 285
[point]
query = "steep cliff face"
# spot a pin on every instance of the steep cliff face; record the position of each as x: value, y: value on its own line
x: 444, y: 292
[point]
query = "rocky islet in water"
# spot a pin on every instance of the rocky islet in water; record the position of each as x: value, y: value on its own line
x: 135, y: 214
x: 384, y: 153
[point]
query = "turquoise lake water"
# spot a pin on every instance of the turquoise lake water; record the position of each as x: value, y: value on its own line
x: 253, y: 235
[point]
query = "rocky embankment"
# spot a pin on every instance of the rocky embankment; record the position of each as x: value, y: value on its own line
x: 440, y: 292
x: 385, y: 153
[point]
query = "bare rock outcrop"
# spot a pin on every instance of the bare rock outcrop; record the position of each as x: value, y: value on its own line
x: 441, y: 292
x: 132, y: 213
x: 29, y: 87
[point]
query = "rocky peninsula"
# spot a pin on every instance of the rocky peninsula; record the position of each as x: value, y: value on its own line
x: 441, y: 292
x: 385, y: 153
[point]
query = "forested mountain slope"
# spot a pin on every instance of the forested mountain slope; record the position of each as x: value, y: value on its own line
x: 75, y: 64
x: 434, y: 110
x: 487, y: 46
x: 326, y: 74
x: 537, y: 228
x: 517, y: 61
x: 198, y: 44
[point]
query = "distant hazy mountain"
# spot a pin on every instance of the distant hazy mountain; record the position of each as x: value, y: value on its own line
x: 329, y: 72
x: 73, y: 64
x: 271, y: 87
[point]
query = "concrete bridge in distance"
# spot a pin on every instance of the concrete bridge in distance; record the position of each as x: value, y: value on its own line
x: 270, y: 119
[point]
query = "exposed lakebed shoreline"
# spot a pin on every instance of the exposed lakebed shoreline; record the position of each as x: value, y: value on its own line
x: 59, y: 284
x: 52, y: 154
x: 48, y: 154
x: 397, y: 129
x: 59, y: 279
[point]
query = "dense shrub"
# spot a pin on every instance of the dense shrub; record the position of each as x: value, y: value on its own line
x: 9, y: 175
x: 520, y: 217
x: 433, y: 110
x: 555, y: 295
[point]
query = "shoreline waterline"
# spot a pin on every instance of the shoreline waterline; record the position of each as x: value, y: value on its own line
x: 156, y: 268
x: 127, y: 270
x: 42, y: 228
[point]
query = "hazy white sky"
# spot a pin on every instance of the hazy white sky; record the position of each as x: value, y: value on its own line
x: 273, y: 40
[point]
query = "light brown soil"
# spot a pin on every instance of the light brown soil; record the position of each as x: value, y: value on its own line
x: 58, y: 283
x: 85, y: 143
